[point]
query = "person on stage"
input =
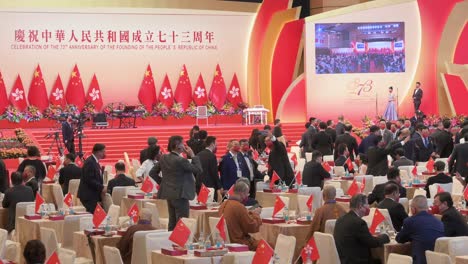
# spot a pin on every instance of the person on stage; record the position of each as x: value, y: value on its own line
x: 67, y: 135
x: 417, y: 96
x: 390, y: 113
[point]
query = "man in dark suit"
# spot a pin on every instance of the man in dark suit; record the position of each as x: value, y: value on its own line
x: 331, y: 131
x: 144, y: 155
x: 67, y: 135
x: 458, y: 161
x: 352, y: 237
x: 422, y: 229
x: 377, y: 156
x: 306, y: 139
x: 69, y: 172
x: 423, y: 146
x: 395, y: 209
x: 343, y: 155
x: 178, y: 181
x: 322, y: 141
x: 16, y: 194
x: 91, y: 187
x: 230, y: 167
x: 350, y: 142
x: 250, y: 168
x: 441, y: 177
x: 443, y: 141
x: 400, y: 159
x: 314, y: 174
x: 120, y: 178
x: 3, y: 177
x: 278, y: 160
x: 393, y: 176
x: 454, y: 223
x: 340, y: 126
x: 29, y: 176
x: 407, y: 148
x: 417, y: 96
x: 369, y: 141
x: 209, y: 177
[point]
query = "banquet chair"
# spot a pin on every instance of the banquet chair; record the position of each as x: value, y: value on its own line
x: 49, y: 238
x: 297, y: 151
x: 308, y: 156
x: 327, y: 248
x: 339, y: 171
x: 118, y: 193
x: 9, y: 250
x: 114, y: 213
x: 213, y: 221
x: 284, y: 248
x: 68, y: 256
x: 394, y: 258
x: 286, y: 205
x: 202, y: 113
x: 72, y: 223
x: 433, y: 188
x: 300, y: 164
x: 457, y: 188
x: 405, y: 177
x: 154, y: 215
x: 408, y: 169
x: 139, y: 254
x: 379, y: 180
x: 335, y: 184
x: 58, y: 198
x: 156, y: 241
x: 211, y: 195
x: 437, y: 258
x: 23, y: 208
x: 316, y: 192
x: 339, y: 192
x: 112, y: 255
x: 192, y: 225
x: 267, y: 212
x: 369, y: 182
x: 421, y: 164
x: 404, y: 201
x: 107, y: 202
x: 73, y: 186
x: 419, y: 191
x: 330, y: 226
x: 260, y: 185
x: 86, y: 223
x: 457, y: 247
x: 302, y: 203
x: 327, y: 158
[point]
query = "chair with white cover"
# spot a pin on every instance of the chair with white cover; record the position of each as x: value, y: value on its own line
x: 339, y: 192
x: 399, y: 259
x: 327, y: 158
x: 266, y: 212
x: 154, y: 215
x: 73, y: 186
x: 202, y: 113
x: 284, y: 248
x: 86, y: 223
x: 405, y: 177
x: 259, y: 186
x: 139, y: 246
x: 330, y: 226
x: 49, y: 239
x: 57, y: 193
x: 408, y: 170
x: 112, y: 255
x: 433, y: 188
x: 106, y: 202
x: 404, y: 201
x: 308, y: 156
x: 333, y: 183
x: 327, y: 248
x: 300, y: 164
x: 457, y: 188
x: 156, y: 241
x: 437, y: 258
x: 68, y: 256
x: 23, y: 208
x: 296, y: 150
x: 9, y: 250
x: 369, y: 182
x: 211, y: 195
x: 419, y: 191
x: 114, y: 213
x: 457, y: 247
x: 118, y: 193
x: 213, y: 221
x: 379, y: 180
x: 72, y: 224
x: 192, y: 225
x: 302, y: 203
x: 316, y: 192
x: 339, y: 171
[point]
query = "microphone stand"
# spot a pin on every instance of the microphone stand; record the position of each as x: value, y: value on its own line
x: 376, y: 104
x: 396, y: 104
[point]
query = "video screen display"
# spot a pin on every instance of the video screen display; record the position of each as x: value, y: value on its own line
x: 360, y: 47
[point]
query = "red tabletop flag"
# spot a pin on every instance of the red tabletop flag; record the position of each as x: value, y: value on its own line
x: 220, y: 227
x: 326, y: 166
x: 430, y: 165
x: 294, y: 159
x: 255, y: 154
x: 165, y: 94
x: 53, y: 259
x: 57, y: 94
x: 94, y: 95
x: 299, y: 178
x: 414, y: 171
x: 353, y: 188
x: 58, y: 162
x: 51, y: 171
x: 147, y: 185
x: 18, y: 96
x: 263, y: 253
x: 183, y: 92
x: 310, y: 251
x: 147, y: 92
x: 39, y: 201
x: 180, y: 234
x: 37, y: 94
x: 68, y: 199
x: 133, y: 213
x: 350, y: 164
x: 98, y: 216
x: 3, y: 96
x: 203, y: 194
x: 231, y: 191
x: 440, y: 189
x: 378, y: 218
x: 218, y: 89
x: 75, y: 91
x: 274, y: 178
x: 200, y: 96
x: 310, y: 202
x: 279, y: 205
x: 465, y: 193
x: 234, y: 95
x: 363, y: 185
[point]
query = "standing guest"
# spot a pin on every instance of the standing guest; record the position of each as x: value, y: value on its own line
x: 200, y: 144
x: 369, y: 141
x: 278, y: 132
x: 16, y: 194
x: 230, y: 167
x: 417, y: 96
x: 34, y: 159
x: 461, y: 133
x: 423, y: 146
x: 395, y: 209
x: 91, y: 187
x: 250, y: 170
x: 384, y: 132
x: 254, y: 139
x: 350, y: 142
x: 459, y: 159
x: 68, y: 135
x: 314, y: 174
x: 241, y: 222
x: 408, y: 147
x: 69, y: 172
x: 340, y: 126
x: 306, y: 139
x: 400, y: 159
x: 441, y: 177
x: 3, y: 177
x: 30, y: 179
x: 422, y: 229
x: 377, y: 156
x: 378, y: 193
x: 352, y: 237
x: 322, y: 141
x: 278, y: 160
x: 313, y: 124
x: 147, y: 165
x: 144, y: 154
x: 120, y: 179
x: 454, y: 223
x: 443, y: 141
x: 177, y: 184
x: 266, y: 130
x: 343, y: 155
x: 194, y: 130
x: 331, y: 131
x: 209, y: 177
x: 393, y: 129
x: 34, y: 252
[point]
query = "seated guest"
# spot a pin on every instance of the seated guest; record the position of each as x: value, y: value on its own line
x: 314, y: 174
x: 34, y: 159
x: 250, y: 201
x: 400, y: 159
x: 395, y: 209
x: 125, y: 244
x: 34, y: 252
x: 393, y: 176
x: 3, y: 177
x: 30, y: 179
x: 343, y: 155
x: 152, y: 141
x: 69, y: 172
x: 120, y: 178
x: 441, y: 177
x: 422, y: 229
x: 147, y: 165
x: 16, y: 194
x: 352, y: 237
x: 454, y: 222
x: 241, y: 222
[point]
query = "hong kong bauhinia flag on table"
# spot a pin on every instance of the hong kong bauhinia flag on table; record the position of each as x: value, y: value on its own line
x: 200, y: 96
x: 3, y: 96
x: 218, y: 89
x: 147, y: 92
x: 234, y: 94
x: 75, y: 91
x: 37, y: 94
x: 165, y: 94
x: 183, y: 92
x: 57, y: 94
x: 94, y: 95
x: 18, y: 96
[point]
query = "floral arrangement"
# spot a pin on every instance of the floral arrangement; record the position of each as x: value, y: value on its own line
x: 71, y: 109
x: 15, y: 147
x: 88, y: 110
x: 242, y: 105
x: 53, y: 112
x: 177, y: 110
x: 12, y: 153
x: 12, y: 114
x: 161, y: 110
x: 211, y: 108
x: 32, y: 114
x: 191, y: 110
x: 228, y: 109
x: 22, y: 137
x: 144, y: 113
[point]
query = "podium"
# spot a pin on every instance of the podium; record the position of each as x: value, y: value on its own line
x: 255, y: 115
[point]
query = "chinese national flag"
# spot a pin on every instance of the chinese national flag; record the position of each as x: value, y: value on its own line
x: 231, y: 191
x: 75, y: 91
x: 183, y: 92
x: 310, y: 202
x: 3, y: 96
x: 310, y: 250
x: 274, y: 178
x: 263, y: 253
x: 218, y: 89
x: 51, y: 173
x: 465, y: 193
x: 349, y: 163
x: 165, y: 94
x: 57, y: 94
x: 299, y: 178
x: 147, y: 92
x: 430, y: 165
x: 234, y: 94
x: 53, y: 259
x: 353, y: 188
x: 203, y: 194
x: 98, y: 216
x: 378, y: 218
x: 147, y: 185
x: 294, y: 159
x: 279, y: 205
x: 94, y: 95
x: 68, y: 199
x: 326, y: 166
x: 363, y: 185
x: 37, y: 94
x: 180, y: 234
x: 58, y: 162
x: 220, y: 227
x: 415, y: 170
x: 200, y: 96
x: 18, y: 96
x: 39, y: 201
x: 133, y: 213
x: 440, y: 189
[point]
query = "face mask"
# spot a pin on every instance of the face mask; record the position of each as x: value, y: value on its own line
x: 25, y: 176
x: 245, y: 148
x: 383, y: 127
x: 407, y: 125
x: 367, y: 212
x: 435, y: 209
x: 236, y: 148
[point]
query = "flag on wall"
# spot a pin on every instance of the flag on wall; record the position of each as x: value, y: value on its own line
x: 75, y: 91
x: 94, y: 94
x: 3, y: 96
x: 18, y: 96
x: 183, y: 92
x: 218, y: 89
x: 200, y: 96
x: 234, y: 95
x: 57, y: 94
x: 37, y: 94
x: 165, y: 94
x: 147, y: 92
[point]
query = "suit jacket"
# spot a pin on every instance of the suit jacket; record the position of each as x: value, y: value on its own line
x: 3, y: 177
x: 314, y: 174
x: 91, y: 183
x: 403, y: 161
x: 177, y: 180
x: 67, y: 173
x: 144, y: 155
x: 377, y: 159
x: 422, y: 152
x: 341, y: 161
x: 339, y: 128
x: 228, y: 169
x: 396, y: 210
x: 459, y: 160
x: 417, y: 94
x: 377, y: 194
x: 36, y: 163
x: 454, y: 223
x: 119, y: 180
x: 14, y: 195
x: 32, y: 183
x: 332, y: 133
x: 306, y: 139
x: 354, y: 241
x: 323, y: 143
x: 209, y: 165
x: 443, y: 144
x: 278, y: 161
x: 366, y: 143
x: 350, y: 141
x: 387, y: 136
x: 422, y: 230
x: 67, y: 132
x: 439, y: 178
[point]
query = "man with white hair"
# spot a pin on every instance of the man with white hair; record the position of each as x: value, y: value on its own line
x: 422, y: 229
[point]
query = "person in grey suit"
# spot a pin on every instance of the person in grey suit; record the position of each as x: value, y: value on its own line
x: 386, y: 134
x: 16, y: 194
x: 400, y: 159
x: 177, y: 181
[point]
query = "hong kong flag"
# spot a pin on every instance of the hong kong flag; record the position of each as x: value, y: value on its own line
x: 94, y: 94
x: 234, y: 94
x: 3, y: 96
x: 310, y: 251
x: 133, y: 213
x: 200, y: 96
x: 75, y: 91
x: 165, y: 94
x: 147, y: 92
x: 57, y: 94
x: 18, y: 96
x: 37, y: 94
x: 218, y: 89
x: 183, y: 92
